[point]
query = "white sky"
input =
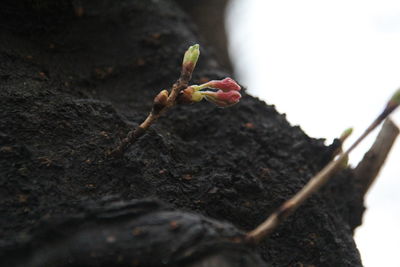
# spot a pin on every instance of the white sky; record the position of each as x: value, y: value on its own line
x: 329, y: 65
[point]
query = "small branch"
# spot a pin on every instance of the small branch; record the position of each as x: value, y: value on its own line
x: 133, y: 135
x: 162, y: 102
x: 320, y: 179
x: 367, y: 170
x: 343, y: 137
x: 155, y: 113
x: 227, y: 94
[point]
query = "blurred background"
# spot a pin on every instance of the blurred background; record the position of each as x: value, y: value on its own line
x: 328, y: 65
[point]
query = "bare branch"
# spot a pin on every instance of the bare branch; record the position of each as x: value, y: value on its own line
x: 367, y: 170
x: 160, y: 107
x: 320, y: 179
x: 227, y: 94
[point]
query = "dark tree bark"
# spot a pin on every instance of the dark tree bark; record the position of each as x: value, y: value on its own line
x: 75, y: 77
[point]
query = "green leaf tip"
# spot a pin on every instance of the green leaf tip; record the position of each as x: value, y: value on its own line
x: 346, y: 133
x: 191, y: 56
x: 396, y: 97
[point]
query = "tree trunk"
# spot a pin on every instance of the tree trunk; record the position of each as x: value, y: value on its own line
x: 75, y: 77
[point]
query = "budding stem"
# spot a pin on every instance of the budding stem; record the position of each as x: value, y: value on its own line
x: 321, y: 178
x: 156, y: 112
x: 368, y: 168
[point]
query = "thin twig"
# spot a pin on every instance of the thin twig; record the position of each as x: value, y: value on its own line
x: 321, y: 178
x: 368, y: 168
x: 151, y: 118
x: 343, y: 137
x: 160, y: 105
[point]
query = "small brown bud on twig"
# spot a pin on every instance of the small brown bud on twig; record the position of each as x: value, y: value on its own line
x: 227, y: 95
x: 160, y: 101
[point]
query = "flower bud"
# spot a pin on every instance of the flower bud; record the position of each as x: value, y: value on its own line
x: 225, y: 85
x: 190, y: 58
x: 160, y: 101
x: 221, y: 98
x: 395, y: 100
x: 345, y: 134
x: 190, y: 95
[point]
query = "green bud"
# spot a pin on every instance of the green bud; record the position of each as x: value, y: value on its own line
x: 190, y: 58
x: 196, y: 87
x: 346, y: 133
x: 197, y: 97
x: 190, y: 95
x: 396, y: 97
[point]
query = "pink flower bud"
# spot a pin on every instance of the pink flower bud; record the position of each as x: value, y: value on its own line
x: 223, y: 99
x: 225, y: 85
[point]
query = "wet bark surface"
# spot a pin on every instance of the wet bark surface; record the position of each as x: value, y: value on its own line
x: 73, y: 86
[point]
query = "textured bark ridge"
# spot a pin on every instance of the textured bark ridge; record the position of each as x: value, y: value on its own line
x: 75, y: 80
x: 135, y: 233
